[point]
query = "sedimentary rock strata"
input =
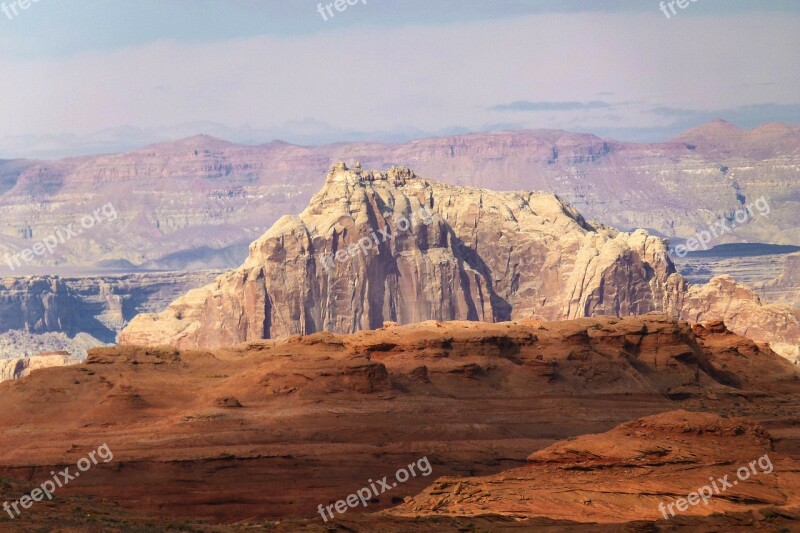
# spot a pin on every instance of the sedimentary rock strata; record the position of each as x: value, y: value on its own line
x: 280, y: 426
x: 633, y: 472
x: 196, y: 202
x: 391, y: 246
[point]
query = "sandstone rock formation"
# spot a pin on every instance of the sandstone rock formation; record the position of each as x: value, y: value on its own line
x: 374, y: 247
x: 36, y: 305
x: 743, y: 312
x: 199, y: 201
x: 21, y: 344
x: 19, y: 367
x: 391, y: 246
x: 624, y: 474
x: 273, y: 428
x: 786, y: 287
x: 772, y: 275
x: 99, y: 306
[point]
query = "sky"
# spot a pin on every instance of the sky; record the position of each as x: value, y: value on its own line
x: 98, y: 76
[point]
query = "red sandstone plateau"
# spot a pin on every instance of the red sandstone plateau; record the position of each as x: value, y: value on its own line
x: 528, y: 426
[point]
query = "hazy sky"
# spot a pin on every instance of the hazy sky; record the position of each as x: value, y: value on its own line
x: 83, y: 76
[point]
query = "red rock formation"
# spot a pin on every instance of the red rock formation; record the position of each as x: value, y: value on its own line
x: 627, y: 473
x: 274, y: 428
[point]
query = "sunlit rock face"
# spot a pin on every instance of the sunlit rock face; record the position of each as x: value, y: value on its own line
x: 391, y: 246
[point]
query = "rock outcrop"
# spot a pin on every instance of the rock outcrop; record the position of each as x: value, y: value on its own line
x: 19, y: 367
x: 20, y: 344
x: 36, y: 305
x: 278, y: 427
x: 743, y: 312
x: 633, y: 472
x: 391, y: 246
x: 786, y: 287
x: 99, y: 305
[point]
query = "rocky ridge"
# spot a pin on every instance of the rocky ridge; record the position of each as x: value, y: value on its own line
x: 197, y: 202
x: 743, y: 311
x: 391, y: 246
x: 786, y: 287
x: 19, y: 367
x: 344, y: 265
x: 99, y: 305
x: 627, y: 473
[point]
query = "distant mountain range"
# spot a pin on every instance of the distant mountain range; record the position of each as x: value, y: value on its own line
x: 198, y: 202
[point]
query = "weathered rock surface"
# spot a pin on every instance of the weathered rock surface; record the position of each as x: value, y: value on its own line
x: 274, y: 428
x: 743, y: 312
x: 773, y: 273
x: 467, y: 254
x: 99, y: 306
x: 19, y: 367
x: 20, y: 343
x: 197, y: 202
x: 374, y: 247
x: 624, y: 474
x: 786, y: 287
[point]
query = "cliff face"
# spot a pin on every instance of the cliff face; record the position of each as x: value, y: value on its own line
x: 743, y: 311
x: 96, y: 305
x: 36, y: 305
x: 20, y: 367
x: 194, y: 202
x: 374, y: 247
x: 786, y: 287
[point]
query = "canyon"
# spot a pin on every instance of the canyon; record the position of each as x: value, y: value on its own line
x: 95, y: 305
x: 45, y: 314
x: 521, y: 341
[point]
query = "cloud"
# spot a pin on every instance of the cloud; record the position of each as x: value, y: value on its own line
x: 748, y: 116
x: 524, y: 105
x: 391, y: 83
x: 680, y: 120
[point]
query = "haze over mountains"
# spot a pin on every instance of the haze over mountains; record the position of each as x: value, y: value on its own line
x: 198, y: 202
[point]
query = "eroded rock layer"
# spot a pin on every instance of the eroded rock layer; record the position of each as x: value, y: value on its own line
x: 374, y: 247
x: 391, y: 246
x: 637, y: 471
x: 275, y: 428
